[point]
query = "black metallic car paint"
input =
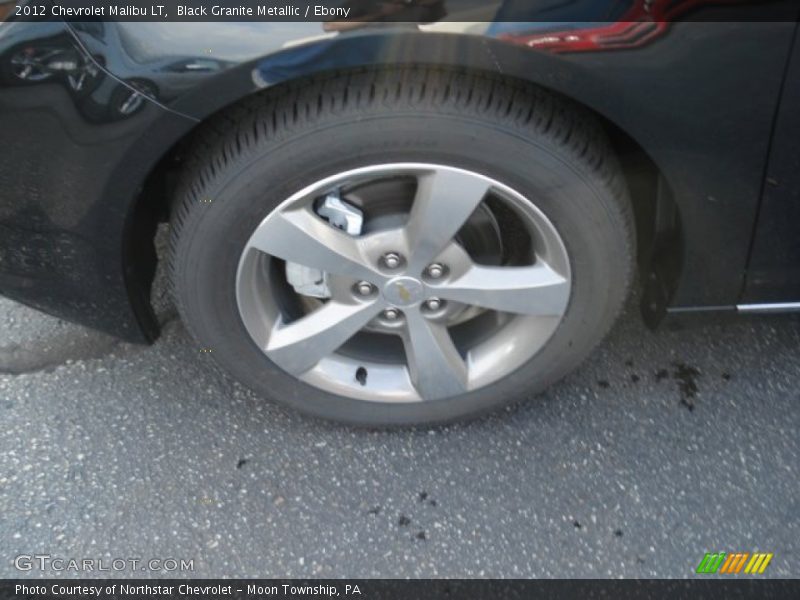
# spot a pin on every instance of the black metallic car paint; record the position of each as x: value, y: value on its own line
x: 71, y: 172
x: 700, y: 100
x: 773, y: 274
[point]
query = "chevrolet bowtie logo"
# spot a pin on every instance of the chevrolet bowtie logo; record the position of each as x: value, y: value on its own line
x: 403, y: 292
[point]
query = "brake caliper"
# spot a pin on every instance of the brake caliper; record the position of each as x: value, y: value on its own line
x: 308, y: 281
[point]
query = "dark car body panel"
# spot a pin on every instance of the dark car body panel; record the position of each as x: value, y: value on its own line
x: 773, y: 274
x: 69, y: 179
x: 700, y: 99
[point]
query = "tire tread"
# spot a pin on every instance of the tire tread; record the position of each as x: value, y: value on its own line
x: 237, y: 133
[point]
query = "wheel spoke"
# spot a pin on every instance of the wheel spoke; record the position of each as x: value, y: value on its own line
x: 437, y: 369
x: 444, y: 201
x: 299, y: 346
x: 299, y: 236
x: 535, y: 290
x: 423, y: 302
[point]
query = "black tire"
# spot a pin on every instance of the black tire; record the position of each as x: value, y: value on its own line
x: 258, y: 154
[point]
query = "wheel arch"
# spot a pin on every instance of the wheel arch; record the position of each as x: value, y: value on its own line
x: 660, y: 242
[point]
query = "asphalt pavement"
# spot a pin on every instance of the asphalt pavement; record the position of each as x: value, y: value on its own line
x: 664, y: 446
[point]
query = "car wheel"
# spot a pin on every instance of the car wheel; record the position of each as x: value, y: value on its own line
x: 393, y: 248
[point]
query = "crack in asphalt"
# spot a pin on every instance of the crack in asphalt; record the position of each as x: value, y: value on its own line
x: 48, y: 353
x: 16, y: 360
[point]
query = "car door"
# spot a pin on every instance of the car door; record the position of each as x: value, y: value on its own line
x: 773, y: 273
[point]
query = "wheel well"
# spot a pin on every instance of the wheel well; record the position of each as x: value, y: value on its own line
x: 658, y: 229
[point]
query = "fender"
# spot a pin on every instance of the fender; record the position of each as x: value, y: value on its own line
x: 700, y: 107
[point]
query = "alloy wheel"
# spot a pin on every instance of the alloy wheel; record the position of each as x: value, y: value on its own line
x: 403, y: 282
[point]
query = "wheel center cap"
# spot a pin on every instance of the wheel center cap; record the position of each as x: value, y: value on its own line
x: 404, y: 291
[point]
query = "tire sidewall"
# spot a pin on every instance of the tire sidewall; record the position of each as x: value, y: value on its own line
x: 250, y: 186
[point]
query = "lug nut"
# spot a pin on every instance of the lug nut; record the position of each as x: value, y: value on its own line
x: 392, y: 260
x: 391, y: 314
x: 364, y: 288
x: 435, y: 271
x: 433, y: 304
